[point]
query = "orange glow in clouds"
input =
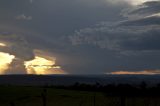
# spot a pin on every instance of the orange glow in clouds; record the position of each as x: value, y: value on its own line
x: 145, y: 72
x: 41, y: 65
x: 5, y: 60
x: 2, y: 45
x: 44, y: 63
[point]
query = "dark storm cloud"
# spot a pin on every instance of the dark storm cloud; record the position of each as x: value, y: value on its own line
x: 138, y: 34
x: 16, y: 67
x: 16, y: 45
x: 56, y: 18
x: 150, y: 20
x: 131, y: 41
x: 63, y: 17
x: 53, y: 21
x: 143, y: 10
x: 120, y: 38
x: 106, y: 39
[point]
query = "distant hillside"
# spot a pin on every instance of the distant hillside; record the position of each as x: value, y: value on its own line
x: 71, y: 79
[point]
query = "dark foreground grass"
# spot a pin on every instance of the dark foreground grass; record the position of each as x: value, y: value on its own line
x: 35, y: 96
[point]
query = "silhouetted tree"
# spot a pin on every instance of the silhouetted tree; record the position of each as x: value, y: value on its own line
x: 123, y: 101
x: 44, y: 97
x: 12, y: 104
x: 143, y: 85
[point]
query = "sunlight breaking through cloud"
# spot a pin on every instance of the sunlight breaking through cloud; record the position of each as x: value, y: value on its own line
x: 2, y: 44
x: 5, y: 60
x: 41, y: 65
x: 138, y: 2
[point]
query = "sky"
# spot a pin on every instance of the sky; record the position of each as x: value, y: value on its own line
x: 80, y: 37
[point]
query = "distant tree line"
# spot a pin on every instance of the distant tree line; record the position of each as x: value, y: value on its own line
x: 141, y: 89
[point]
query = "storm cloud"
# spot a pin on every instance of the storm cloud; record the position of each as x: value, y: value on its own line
x: 85, y: 36
x: 137, y: 36
x: 131, y: 34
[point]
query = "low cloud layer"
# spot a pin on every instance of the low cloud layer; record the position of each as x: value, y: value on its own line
x: 145, y: 72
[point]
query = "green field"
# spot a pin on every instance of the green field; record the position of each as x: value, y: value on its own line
x: 32, y: 96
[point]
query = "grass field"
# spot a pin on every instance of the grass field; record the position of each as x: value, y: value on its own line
x: 32, y: 96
